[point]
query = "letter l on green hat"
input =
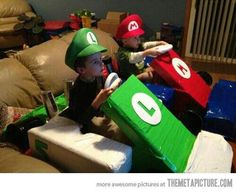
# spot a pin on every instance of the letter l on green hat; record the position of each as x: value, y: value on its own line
x: 84, y: 43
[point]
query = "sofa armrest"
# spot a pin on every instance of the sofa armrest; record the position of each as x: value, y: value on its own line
x: 12, y: 161
x: 18, y: 86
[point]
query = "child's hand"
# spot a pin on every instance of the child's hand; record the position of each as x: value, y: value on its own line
x: 161, y: 43
x: 157, y: 50
x: 101, y: 97
x: 146, y: 76
x: 153, y: 52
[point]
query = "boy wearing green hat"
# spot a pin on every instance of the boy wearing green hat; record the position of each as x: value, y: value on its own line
x: 87, y: 94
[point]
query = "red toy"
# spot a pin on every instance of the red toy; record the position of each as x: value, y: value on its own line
x: 55, y: 25
x: 75, y: 22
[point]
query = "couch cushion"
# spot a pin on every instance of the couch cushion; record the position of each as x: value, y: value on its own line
x: 7, y: 20
x: 10, y: 8
x: 14, y: 20
x: 18, y: 87
x: 12, y: 161
x: 106, y: 40
x: 68, y: 37
x: 46, y: 63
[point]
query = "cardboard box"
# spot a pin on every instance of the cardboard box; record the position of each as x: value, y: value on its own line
x: 118, y: 16
x: 211, y: 154
x: 221, y: 112
x: 109, y: 26
x: 177, y: 74
x: 61, y: 142
x: 112, y: 21
x: 162, y: 141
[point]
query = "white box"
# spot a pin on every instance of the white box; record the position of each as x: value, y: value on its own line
x: 210, y: 154
x: 62, y: 143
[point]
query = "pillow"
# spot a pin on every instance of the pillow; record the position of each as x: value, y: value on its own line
x: 18, y: 87
x: 10, y: 114
x: 47, y: 66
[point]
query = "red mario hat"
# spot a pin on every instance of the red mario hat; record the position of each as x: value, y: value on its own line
x: 131, y: 26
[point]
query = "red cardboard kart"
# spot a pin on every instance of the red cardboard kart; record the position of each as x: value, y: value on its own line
x: 191, y: 89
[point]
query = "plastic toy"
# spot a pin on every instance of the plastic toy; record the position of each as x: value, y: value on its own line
x: 75, y: 21
x: 56, y: 27
x: 164, y: 48
x: 112, y: 81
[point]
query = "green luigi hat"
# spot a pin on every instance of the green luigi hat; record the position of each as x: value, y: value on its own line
x: 83, y: 44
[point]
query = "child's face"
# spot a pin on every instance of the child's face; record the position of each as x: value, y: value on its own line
x: 94, y: 65
x: 132, y: 42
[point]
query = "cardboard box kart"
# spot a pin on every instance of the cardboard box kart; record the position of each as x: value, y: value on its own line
x: 221, y: 110
x: 61, y: 142
x: 162, y: 142
x: 191, y: 90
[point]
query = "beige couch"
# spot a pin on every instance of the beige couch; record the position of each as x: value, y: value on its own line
x: 12, y: 161
x: 9, y: 12
x: 30, y: 71
x: 41, y: 67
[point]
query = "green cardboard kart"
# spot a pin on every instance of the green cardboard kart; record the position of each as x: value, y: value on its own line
x: 161, y: 142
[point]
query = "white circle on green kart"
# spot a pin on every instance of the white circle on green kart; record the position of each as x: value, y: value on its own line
x: 146, y: 108
x: 181, y: 68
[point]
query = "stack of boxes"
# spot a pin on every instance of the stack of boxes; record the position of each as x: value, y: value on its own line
x: 112, y: 21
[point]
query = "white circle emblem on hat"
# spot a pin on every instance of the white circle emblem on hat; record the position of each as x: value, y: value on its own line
x: 133, y: 25
x: 91, y: 38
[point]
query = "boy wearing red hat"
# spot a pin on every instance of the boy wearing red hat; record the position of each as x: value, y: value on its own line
x: 132, y: 52
x: 87, y: 94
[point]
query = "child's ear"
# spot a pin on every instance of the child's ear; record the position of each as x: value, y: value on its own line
x: 80, y: 70
x: 124, y: 41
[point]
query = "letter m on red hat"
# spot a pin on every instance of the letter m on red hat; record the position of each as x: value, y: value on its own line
x: 131, y: 26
